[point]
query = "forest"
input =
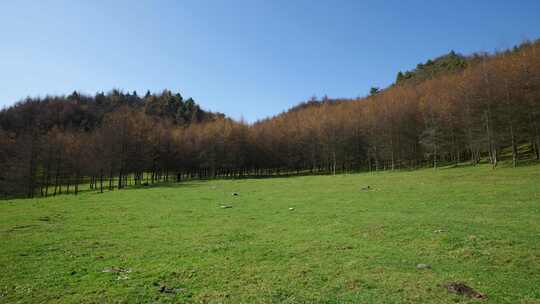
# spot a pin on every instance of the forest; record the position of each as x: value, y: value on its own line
x: 454, y: 109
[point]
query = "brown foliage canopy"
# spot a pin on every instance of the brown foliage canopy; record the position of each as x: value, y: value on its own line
x: 487, y: 104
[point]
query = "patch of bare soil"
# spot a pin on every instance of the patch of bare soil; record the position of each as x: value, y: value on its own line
x: 463, y: 290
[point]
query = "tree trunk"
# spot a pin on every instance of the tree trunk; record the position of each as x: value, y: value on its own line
x: 435, y: 156
x: 514, y: 146
x: 77, y: 183
x: 489, y: 126
x: 334, y: 162
x: 120, y: 176
x: 101, y: 180
x: 110, y: 179
x: 57, y: 175
x: 491, y: 148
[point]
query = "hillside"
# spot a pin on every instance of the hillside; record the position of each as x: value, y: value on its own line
x: 447, y: 64
x: 450, y: 63
x: 340, y: 244
x: 451, y: 110
x: 86, y: 113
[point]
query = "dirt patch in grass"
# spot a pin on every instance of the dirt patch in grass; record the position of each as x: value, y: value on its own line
x: 463, y: 290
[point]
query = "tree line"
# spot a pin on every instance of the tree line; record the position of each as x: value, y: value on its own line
x: 452, y: 110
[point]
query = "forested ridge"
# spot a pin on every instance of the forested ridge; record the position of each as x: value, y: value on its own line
x: 449, y: 110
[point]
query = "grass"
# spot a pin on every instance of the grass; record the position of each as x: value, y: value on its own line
x: 339, y: 245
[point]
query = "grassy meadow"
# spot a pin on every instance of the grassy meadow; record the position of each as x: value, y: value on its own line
x: 340, y: 244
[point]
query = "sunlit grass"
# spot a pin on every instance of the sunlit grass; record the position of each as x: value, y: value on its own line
x: 340, y: 244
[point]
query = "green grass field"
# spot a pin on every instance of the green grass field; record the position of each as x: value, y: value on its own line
x: 340, y: 244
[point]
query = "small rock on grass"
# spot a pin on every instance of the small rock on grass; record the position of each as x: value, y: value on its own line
x: 291, y: 209
x: 423, y: 266
x: 225, y: 206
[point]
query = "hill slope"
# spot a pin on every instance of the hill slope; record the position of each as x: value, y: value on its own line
x: 86, y: 113
x: 340, y: 244
x: 452, y: 110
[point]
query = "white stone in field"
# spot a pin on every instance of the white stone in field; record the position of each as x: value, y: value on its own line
x: 423, y: 266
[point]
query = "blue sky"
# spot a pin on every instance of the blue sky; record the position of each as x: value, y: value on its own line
x: 248, y: 59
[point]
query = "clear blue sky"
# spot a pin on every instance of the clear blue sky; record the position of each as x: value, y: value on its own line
x: 250, y: 58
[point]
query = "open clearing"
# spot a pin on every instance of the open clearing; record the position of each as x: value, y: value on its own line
x: 340, y: 244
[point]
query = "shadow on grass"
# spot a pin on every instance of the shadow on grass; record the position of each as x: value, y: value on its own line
x: 184, y: 184
x: 199, y: 182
